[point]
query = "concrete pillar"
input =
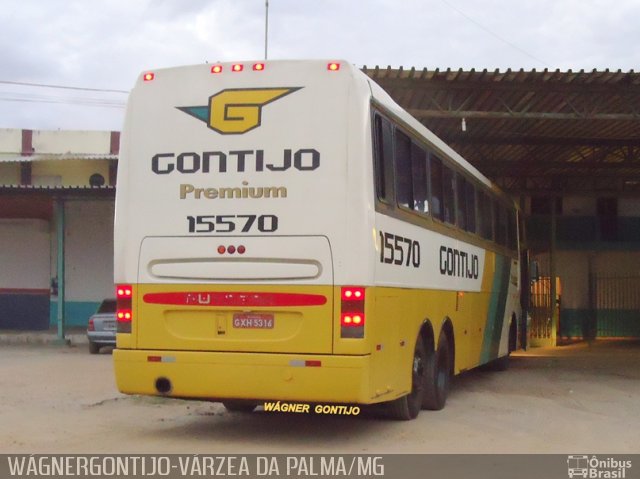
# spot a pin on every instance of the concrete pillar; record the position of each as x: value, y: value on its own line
x: 60, y: 228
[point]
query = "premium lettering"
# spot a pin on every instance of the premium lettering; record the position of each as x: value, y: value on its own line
x: 188, y: 191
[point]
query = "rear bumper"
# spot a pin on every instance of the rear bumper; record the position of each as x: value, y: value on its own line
x: 256, y: 376
x: 102, y: 337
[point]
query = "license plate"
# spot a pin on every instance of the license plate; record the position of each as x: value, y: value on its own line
x: 253, y: 321
x: 109, y: 325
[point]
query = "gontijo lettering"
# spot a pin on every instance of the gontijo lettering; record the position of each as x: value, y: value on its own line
x: 454, y: 262
x: 305, y: 159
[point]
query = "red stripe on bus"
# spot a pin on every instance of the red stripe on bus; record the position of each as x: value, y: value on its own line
x: 245, y: 298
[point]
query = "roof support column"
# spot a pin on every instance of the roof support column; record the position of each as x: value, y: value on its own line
x: 60, y: 228
x: 554, y: 304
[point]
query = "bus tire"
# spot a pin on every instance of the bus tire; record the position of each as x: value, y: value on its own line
x: 502, y: 363
x: 407, y: 407
x: 438, y: 376
x: 239, y: 406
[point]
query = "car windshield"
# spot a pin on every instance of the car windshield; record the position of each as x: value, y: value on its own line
x: 107, y: 306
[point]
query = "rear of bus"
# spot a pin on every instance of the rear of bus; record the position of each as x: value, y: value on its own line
x: 241, y: 199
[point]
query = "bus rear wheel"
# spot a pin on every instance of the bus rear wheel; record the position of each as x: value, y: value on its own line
x: 438, y: 376
x: 407, y: 407
x: 239, y: 406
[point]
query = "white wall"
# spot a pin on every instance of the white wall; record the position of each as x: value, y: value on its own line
x: 629, y: 207
x: 572, y: 267
x: 89, y: 250
x: 58, y: 142
x: 578, y: 206
x: 10, y: 140
x: 24, y: 254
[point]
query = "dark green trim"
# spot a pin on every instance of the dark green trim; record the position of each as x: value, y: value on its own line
x: 497, y: 308
x: 617, y: 323
x: 77, y: 313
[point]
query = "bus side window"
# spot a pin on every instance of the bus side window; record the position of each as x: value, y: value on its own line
x: 420, y: 182
x: 404, y: 182
x: 512, y: 230
x: 383, y: 158
x: 485, y: 216
x: 471, y: 207
x: 461, y: 203
x: 449, y: 198
x: 435, y: 165
x: 500, y: 217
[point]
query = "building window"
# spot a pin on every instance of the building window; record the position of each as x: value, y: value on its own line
x: 541, y: 205
x: 607, y: 211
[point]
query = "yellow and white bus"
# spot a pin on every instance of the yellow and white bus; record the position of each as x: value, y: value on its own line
x: 285, y: 231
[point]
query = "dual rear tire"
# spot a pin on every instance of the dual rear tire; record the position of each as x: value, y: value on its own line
x: 430, y: 379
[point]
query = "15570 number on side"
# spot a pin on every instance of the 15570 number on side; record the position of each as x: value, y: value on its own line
x: 399, y: 250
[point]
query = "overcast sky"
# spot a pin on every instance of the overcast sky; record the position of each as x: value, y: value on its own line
x: 106, y: 44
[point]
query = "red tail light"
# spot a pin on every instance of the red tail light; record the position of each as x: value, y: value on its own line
x: 123, y: 291
x: 352, y: 316
x: 124, y: 307
x: 91, y: 326
x: 352, y: 293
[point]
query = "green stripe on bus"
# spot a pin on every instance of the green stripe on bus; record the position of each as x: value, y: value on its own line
x: 497, y: 305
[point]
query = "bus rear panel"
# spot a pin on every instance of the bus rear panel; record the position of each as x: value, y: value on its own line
x: 274, y: 240
x: 232, y: 206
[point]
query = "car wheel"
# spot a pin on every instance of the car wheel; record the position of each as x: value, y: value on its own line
x: 94, y: 348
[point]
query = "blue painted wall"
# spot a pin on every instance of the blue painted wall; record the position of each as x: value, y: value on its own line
x: 77, y: 313
x: 24, y: 311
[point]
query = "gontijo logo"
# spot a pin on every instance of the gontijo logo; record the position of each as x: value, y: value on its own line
x: 235, y: 111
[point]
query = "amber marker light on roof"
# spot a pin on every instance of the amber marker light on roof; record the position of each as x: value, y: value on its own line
x: 333, y: 67
x: 216, y: 69
x: 148, y: 76
x: 237, y: 67
x: 258, y: 67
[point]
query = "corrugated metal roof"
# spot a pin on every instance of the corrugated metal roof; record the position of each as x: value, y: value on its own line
x: 98, y: 190
x: 545, y: 131
x: 18, y: 158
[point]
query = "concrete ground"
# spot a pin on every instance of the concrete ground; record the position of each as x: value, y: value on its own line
x: 71, y: 337
x: 576, y: 399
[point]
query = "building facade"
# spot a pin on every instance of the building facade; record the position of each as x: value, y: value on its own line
x: 56, y: 225
x: 57, y: 191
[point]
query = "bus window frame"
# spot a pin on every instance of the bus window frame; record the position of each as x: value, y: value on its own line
x: 390, y: 206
